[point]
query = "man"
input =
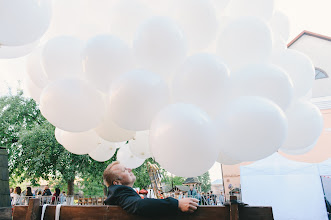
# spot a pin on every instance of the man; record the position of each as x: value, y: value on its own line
x: 120, y: 180
x: 192, y: 192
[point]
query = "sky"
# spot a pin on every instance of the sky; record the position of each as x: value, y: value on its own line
x: 311, y: 15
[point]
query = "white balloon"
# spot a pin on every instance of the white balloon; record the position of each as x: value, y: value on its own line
x: 135, y: 98
x: 79, y: 142
x: 299, y: 67
x: 126, y: 158
x: 201, y: 80
x: 23, y: 22
x: 298, y: 151
x: 226, y: 160
x: 105, y: 58
x: 220, y: 5
x: 104, y: 151
x: 305, y: 125
x: 35, y: 70
x: 182, y: 139
x: 260, y: 8
x: 251, y: 128
x: 72, y: 105
x: 62, y: 57
x: 197, y: 19
x: 58, y: 134
x: 265, y: 80
x: 109, y: 131
x: 139, y: 146
x: 159, y: 45
x: 245, y: 40
x: 12, y: 52
x: 32, y: 89
x: 280, y: 25
x: 125, y: 17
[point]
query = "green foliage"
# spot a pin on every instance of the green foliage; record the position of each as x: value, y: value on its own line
x: 34, y: 152
x: 142, y: 176
x: 173, y: 180
x: 205, y: 182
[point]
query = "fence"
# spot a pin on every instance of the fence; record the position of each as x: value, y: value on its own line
x: 24, y: 200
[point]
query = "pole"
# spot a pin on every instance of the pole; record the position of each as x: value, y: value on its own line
x: 223, y: 183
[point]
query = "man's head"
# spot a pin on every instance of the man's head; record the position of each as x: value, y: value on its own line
x: 191, y: 187
x: 117, y: 174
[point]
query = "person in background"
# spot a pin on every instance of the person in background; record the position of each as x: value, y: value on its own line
x: 47, y: 191
x: 56, y: 195
x: 213, y: 198
x: 192, y: 193
x: 29, y: 191
x: 16, y: 198
x: 221, y: 199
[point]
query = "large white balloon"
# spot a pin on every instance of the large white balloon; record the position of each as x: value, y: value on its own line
x: 58, y: 135
x: 198, y: 20
x: 135, y: 98
x: 22, y: 22
x: 280, y: 25
x: 62, y: 57
x: 201, y: 80
x: 220, y: 5
x: 139, y: 146
x: 299, y: 67
x: 104, y: 151
x: 298, y: 151
x: 32, y: 89
x: 126, y: 158
x: 182, y: 139
x: 159, y: 45
x: 72, y: 105
x: 305, y: 125
x: 35, y: 70
x: 109, y: 131
x: 79, y: 142
x: 105, y: 58
x: 125, y: 17
x: 260, y: 8
x: 245, y: 40
x: 265, y: 80
x: 251, y: 128
x: 12, y: 52
x: 226, y: 160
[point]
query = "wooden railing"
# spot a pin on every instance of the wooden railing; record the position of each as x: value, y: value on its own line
x: 231, y: 212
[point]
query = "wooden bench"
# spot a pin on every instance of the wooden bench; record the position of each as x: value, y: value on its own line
x: 231, y: 212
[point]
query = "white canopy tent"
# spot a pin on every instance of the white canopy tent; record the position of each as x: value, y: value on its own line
x: 325, y: 172
x: 293, y: 189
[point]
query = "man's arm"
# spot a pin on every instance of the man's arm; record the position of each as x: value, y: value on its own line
x: 132, y: 203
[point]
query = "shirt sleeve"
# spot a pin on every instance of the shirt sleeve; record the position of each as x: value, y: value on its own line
x: 131, y: 202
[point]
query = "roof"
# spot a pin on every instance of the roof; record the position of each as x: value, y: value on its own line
x: 309, y: 33
x: 216, y: 182
x: 191, y: 180
x: 176, y: 188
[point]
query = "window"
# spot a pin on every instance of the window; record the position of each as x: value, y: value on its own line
x: 320, y: 74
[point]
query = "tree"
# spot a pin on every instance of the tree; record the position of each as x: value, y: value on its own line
x: 142, y: 175
x: 33, y: 150
x: 205, y: 182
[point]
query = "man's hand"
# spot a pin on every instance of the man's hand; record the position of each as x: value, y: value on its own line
x: 188, y: 204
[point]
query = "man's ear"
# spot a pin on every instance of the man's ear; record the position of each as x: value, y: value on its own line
x: 115, y: 182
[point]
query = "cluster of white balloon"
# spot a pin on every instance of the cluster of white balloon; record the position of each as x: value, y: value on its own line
x: 188, y: 82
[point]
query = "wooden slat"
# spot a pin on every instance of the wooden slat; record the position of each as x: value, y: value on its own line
x: 5, y: 213
x: 34, y: 210
x: 255, y: 213
x: 19, y: 212
x: 115, y: 212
